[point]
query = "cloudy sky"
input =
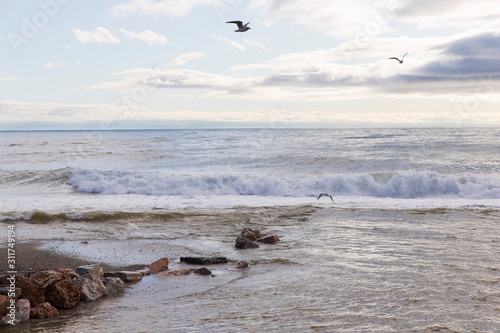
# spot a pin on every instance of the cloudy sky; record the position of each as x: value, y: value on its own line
x: 67, y: 64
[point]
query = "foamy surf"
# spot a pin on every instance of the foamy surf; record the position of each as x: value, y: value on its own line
x: 409, y: 184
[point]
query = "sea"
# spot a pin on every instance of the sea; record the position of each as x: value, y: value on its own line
x: 410, y: 243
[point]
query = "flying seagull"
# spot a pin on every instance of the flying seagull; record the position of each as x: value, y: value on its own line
x: 326, y: 195
x: 400, y: 61
x: 241, y: 27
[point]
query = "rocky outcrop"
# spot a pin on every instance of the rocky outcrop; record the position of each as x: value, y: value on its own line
x: 42, y: 311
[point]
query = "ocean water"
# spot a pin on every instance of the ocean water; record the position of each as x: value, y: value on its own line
x: 410, y: 244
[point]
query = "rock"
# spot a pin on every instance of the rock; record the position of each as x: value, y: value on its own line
x: 269, y: 239
x: 159, y: 265
x: 4, y: 303
x: 94, y: 269
x: 20, y: 312
x: 68, y: 273
x: 251, y: 234
x: 42, y: 311
x: 244, y: 243
x: 43, y: 274
x: 204, y: 260
x: 7, y: 290
x: 242, y: 264
x: 23, y: 307
x: 31, y: 289
x: 91, y: 287
x: 63, y: 294
x: 144, y: 272
x: 175, y: 272
x: 203, y: 271
x: 114, y: 286
x: 126, y: 276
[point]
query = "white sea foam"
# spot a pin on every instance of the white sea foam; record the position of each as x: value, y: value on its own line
x: 421, y: 184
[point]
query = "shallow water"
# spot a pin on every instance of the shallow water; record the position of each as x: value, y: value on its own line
x: 334, y: 270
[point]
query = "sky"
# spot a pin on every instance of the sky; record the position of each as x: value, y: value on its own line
x: 141, y: 64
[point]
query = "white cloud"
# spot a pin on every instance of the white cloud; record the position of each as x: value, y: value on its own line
x: 256, y: 44
x: 339, y: 18
x: 169, y: 8
x: 146, y: 36
x: 11, y: 111
x: 141, y: 78
x: 51, y: 65
x: 184, y: 58
x: 99, y: 35
x: 227, y: 40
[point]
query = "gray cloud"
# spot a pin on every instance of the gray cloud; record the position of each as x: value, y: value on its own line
x: 483, y: 45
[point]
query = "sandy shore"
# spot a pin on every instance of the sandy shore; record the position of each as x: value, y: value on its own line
x: 29, y: 256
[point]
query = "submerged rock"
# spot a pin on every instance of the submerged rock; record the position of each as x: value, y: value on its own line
x: 42, y: 311
x: 175, y: 272
x: 203, y: 271
x: 204, y: 260
x: 244, y: 243
x: 251, y: 234
x: 269, y: 239
x: 242, y: 264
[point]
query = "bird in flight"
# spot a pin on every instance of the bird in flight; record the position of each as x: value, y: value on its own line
x: 400, y: 61
x: 326, y: 195
x: 241, y: 27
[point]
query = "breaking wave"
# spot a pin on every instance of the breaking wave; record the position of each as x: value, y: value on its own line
x: 423, y: 184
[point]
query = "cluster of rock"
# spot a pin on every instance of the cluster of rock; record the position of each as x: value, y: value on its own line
x: 40, y: 294
x: 248, y: 239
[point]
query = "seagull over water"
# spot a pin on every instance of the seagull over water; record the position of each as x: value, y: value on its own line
x: 400, y: 61
x: 326, y: 195
x: 241, y: 27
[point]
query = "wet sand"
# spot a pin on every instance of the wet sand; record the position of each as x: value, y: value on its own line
x: 29, y: 256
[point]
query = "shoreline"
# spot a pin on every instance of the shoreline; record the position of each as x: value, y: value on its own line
x: 29, y: 256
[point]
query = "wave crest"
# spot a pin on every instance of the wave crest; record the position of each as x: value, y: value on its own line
x: 396, y: 185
